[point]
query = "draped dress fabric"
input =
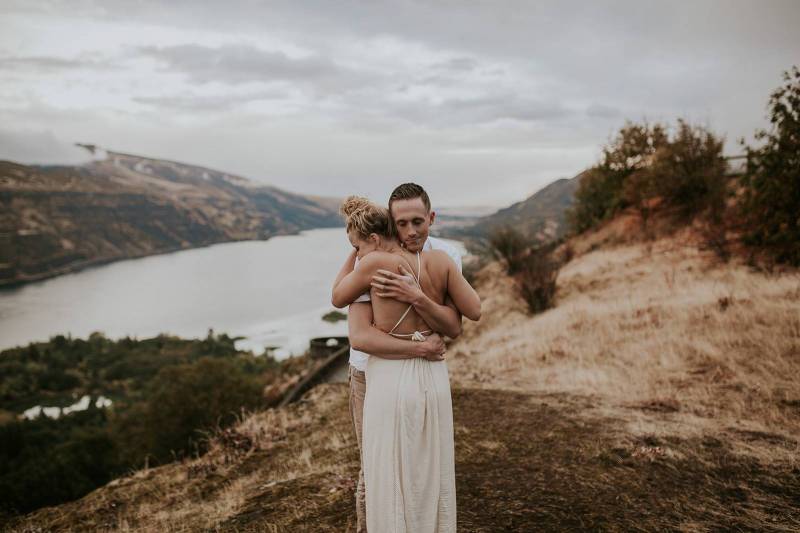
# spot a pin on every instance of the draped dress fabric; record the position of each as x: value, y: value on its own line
x: 408, y: 449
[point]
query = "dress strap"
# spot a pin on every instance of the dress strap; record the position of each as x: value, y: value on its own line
x: 416, y: 279
x: 401, y: 319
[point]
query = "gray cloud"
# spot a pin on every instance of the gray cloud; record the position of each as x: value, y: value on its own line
x: 459, y: 112
x: 603, y: 111
x: 53, y: 64
x: 508, y: 106
x: 214, y: 103
x: 457, y: 64
x: 237, y: 64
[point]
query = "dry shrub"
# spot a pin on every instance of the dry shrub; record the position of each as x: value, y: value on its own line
x: 471, y: 266
x: 508, y: 246
x: 536, y: 279
x: 534, y: 268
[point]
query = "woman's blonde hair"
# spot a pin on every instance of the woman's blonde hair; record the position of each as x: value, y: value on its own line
x: 365, y: 218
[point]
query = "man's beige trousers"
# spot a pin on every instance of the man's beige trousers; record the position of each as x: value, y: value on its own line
x: 358, y: 388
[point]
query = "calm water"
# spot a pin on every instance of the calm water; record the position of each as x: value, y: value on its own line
x: 272, y: 292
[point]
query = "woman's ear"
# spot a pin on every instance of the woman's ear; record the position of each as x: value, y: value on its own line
x: 375, y: 239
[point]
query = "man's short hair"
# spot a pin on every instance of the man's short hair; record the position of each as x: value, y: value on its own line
x: 409, y: 191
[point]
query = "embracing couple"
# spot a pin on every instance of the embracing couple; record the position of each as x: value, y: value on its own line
x: 405, y: 290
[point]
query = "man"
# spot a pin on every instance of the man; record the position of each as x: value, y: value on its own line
x: 410, y: 209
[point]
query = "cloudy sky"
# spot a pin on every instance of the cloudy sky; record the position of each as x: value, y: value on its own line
x: 481, y: 102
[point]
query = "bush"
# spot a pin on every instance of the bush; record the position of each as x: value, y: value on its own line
x: 601, y: 191
x: 536, y: 279
x: 594, y: 200
x: 533, y: 268
x: 47, y: 462
x: 770, y: 205
x: 688, y: 172
x: 509, y: 246
x: 187, y: 399
x: 644, y: 167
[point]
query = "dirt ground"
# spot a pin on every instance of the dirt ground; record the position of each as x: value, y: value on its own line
x: 528, y: 462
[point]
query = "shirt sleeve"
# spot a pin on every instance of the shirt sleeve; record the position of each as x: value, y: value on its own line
x: 457, y: 258
x: 437, y: 244
x: 363, y: 298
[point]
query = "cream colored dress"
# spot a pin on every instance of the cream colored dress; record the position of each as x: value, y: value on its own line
x: 408, y: 451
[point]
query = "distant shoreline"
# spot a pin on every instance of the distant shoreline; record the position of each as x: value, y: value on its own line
x: 90, y: 263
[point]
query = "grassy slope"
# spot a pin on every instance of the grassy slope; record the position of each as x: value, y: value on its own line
x: 660, y: 393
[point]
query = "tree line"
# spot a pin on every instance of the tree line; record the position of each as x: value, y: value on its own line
x: 167, y: 393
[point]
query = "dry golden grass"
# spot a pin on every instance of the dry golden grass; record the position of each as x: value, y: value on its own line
x: 263, y: 452
x: 654, y: 328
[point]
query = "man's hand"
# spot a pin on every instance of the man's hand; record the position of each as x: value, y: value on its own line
x: 401, y: 287
x: 433, y: 348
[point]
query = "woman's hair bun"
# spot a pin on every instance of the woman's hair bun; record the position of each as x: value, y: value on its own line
x: 353, y: 204
x: 365, y: 217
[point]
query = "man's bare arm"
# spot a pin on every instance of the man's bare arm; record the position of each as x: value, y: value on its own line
x: 368, y: 339
x: 442, y: 318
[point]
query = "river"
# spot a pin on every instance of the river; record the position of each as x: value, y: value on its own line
x: 274, y: 293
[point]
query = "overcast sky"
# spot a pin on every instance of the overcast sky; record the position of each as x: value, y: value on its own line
x: 480, y: 102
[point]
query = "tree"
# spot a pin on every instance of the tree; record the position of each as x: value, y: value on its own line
x: 645, y: 166
x: 771, y: 200
x: 689, y: 171
x: 601, y: 192
x: 187, y: 399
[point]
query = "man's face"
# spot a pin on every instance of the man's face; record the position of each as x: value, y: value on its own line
x: 413, y: 222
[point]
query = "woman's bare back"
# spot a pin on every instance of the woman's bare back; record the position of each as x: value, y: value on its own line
x: 433, y: 282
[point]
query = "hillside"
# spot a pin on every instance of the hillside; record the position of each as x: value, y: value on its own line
x: 659, y: 394
x: 56, y: 219
x: 541, y: 216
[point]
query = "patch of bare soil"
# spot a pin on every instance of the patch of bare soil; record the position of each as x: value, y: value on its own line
x: 537, y: 462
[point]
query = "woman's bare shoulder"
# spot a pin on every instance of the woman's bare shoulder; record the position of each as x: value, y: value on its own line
x: 378, y: 259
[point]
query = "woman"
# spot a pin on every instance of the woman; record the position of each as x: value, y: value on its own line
x: 408, y: 454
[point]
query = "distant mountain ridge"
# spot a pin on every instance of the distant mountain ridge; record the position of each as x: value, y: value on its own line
x: 541, y: 216
x: 56, y: 219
